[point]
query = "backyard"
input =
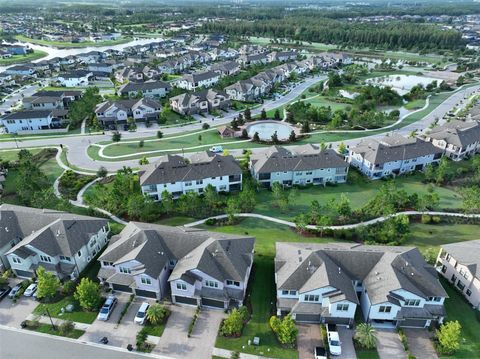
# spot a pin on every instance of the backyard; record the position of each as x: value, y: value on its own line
x: 55, y: 310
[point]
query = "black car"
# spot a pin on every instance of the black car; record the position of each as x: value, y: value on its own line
x: 4, y: 291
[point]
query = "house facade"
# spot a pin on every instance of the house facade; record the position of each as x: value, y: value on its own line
x: 393, y: 155
x: 200, y: 102
x: 28, y: 120
x: 75, y: 78
x: 459, y: 263
x: 192, y: 82
x: 150, y: 89
x: 62, y: 243
x: 301, y: 166
x: 328, y: 283
x: 177, y: 175
x: 111, y: 112
x: 194, y: 267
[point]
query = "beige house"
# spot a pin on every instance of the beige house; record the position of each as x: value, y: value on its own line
x: 460, y: 264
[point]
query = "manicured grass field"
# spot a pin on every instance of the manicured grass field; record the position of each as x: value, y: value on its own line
x: 55, y: 309
x: 62, y: 44
x: 47, y: 329
x: 17, y: 59
x: 367, y: 354
x: 12, y: 155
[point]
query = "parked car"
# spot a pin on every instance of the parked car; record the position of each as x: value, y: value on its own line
x: 320, y: 353
x: 216, y: 149
x: 107, y: 308
x: 14, y: 291
x: 32, y: 288
x: 334, y: 340
x: 142, y: 313
x: 4, y: 291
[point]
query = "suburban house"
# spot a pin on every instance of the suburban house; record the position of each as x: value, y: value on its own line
x: 111, y: 112
x: 177, y: 175
x: 43, y: 103
x: 67, y: 96
x: 253, y: 59
x: 325, y: 283
x: 282, y: 56
x: 226, y: 68
x: 459, y: 139
x: 393, y: 155
x: 201, y: 101
x: 75, y: 78
x: 62, y: 243
x: 306, y: 164
x: 30, y: 120
x: 194, y: 266
x: 192, y: 82
x: 150, y: 89
x: 460, y: 264
x: 20, y: 70
x: 247, y: 90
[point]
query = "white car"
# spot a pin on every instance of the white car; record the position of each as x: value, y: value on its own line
x: 216, y: 149
x: 334, y: 340
x: 142, y: 313
x: 32, y: 288
x: 107, y: 308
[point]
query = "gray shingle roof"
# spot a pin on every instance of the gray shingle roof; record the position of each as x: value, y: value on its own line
x: 466, y: 253
x: 143, y: 86
x: 22, y: 115
x: 458, y: 133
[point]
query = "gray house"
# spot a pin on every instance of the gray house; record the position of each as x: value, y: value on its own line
x: 194, y: 266
x: 301, y: 166
x: 62, y: 243
x: 393, y: 286
x: 147, y: 89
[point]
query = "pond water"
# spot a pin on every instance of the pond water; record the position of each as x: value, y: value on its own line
x: 266, y: 129
x: 401, y: 83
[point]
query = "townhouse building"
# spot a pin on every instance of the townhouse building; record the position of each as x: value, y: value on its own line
x: 458, y: 139
x: 226, y: 68
x: 62, y: 243
x: 118, y: 112
x: 43, y: 102
x: 195, y: 81
x: 177, y: 175
x: 75, y: 78
x: 203, y: 101
x: 192, y: 266
x: 247, y: 90
x: 303, y: 165
x: 150, y: 89
x: 30, y: 120
x: 459, y: 263
x: 328, y: 283
x: 393, y: 155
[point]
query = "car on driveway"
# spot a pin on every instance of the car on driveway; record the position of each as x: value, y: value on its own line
x: 4, y: 291
x: 14, y: 291
x: 142, y: 313
x: 333, y: 340
x: 32, y: 288
x: 107, y: 308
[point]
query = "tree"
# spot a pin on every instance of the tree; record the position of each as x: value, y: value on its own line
x: 141, y: 143
x: 48, y: 284
x: 234, y: 124
x: 244, y: 133
x: 159, y: 134
x: 342, y: 149
x: 247, y: 114
x: 305, y: 127
x: 88, y: 294
x: 280, y: 196
x: 429, y: 173
x: 276, y: 115
x: 365, y: 336
x: 343, y: 207
x: 275, y: 138
x: 471, y: 199
x: 263, y: 114
x: 143, y: 161
x: 233, y: 207
x: 102, y: 172
x: 293, y: 136
x: 448, y: 337
x: 256, y: 137
x: 156, y: 313
x: 116, y: 137
x: 285, y: 329
x: 233, y: 324
x: 167, y: 202
x: 441, y: 172
x: 205, y: 126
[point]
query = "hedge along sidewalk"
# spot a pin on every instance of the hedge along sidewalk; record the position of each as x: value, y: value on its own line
x: 44, y: 319
x: 224, y: 353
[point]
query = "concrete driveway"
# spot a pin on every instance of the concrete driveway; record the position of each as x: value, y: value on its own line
x: 389, y: 345
x: 346, y: 339
x: 174, y: 341
x: 13, y: 314
x: 308, y: 338
x: 420, y: 343
x: 119, y: 335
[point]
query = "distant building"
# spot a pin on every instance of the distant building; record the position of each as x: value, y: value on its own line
x: 118, y: 112
x: 198, y: 80
x: 75, y: 78
x: 146, y: 89
x: 203, y: 101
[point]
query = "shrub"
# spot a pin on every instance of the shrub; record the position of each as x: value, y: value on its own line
x: 365, y: 336
x: 205, y: 126
x: 403, y: 339
x: 232, y: 326
x: 211, y: 222
x: 285, y: 329
x: 192, y: 323
x: 66, y: 327
x: 157, y: 313
x: 68, y: 287
x: 141, y: 337
x: 448, y: 337
x: 88, y: 294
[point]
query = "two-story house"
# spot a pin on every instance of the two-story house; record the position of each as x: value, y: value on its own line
x: 62, y: 243
x: 151, y: 89
x: 178, y: 175
x: 75, y: 78
x: 459, y: 139
x: 193, y: 266
x: 460, y: 264
x: 111, y: 112
x: 200, y: 102
x: 195, y: 81
x: 393, y: 155
x: 327, y: 283
x: 303, y: 165
x: 28, y: 120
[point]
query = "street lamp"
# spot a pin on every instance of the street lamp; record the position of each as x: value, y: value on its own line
x: 51, y: 321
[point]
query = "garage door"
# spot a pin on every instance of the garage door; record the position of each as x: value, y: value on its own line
x: 145, y: 293
x: 308, y: 318
x: 213, y: 303
x: 415, y: 323
x: 341, y: 321
x: 24, y: 273
x: 185, y: 300
x: 122, y: 288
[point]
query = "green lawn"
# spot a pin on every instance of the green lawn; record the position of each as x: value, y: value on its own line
x: 155, y: 330
x: 458, y: 309
x: 47, y: 329
x: 55, y: 309
x: 367, y: 354
x: 61, y: 44
x: 17, y: 59
x: 12, y: 155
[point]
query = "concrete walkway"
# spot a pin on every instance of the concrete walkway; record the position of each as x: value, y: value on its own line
x: 389, y: 345
x: 224, y: 353
x: 57, y: 321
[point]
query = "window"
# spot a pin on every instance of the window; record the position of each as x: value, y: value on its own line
x: 79, y: 253
x: 107, y: 264
x: 385, y: 309
x: 342, y: 307
x: 468, y: 292
x: 187, y: 184
x: 285, y: 292
x: 463, y: 273
x: 447, y: 258
x: 412, y: 302
x: 146, y: 281
x: 16, y: 260
x: 444, y: 268
x: 309, y: 173
x: 460, y: 285
x: 181, y: 286
x: 125, y: 270
x: 454, y: 278
x: 172, y: 262
x: 66, y: 259
x: 199, y: 182
x: 92, y: 243
x: 312, y: 297
x: 45, y: 259
x: 211, y: 283
x: 434, y: 299
x: 293, y: 292
x: 233, y: 283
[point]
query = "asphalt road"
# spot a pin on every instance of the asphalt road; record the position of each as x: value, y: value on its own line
x: 22, y: 344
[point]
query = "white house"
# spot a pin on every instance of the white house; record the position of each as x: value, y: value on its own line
x: 197, y: 80
x: 393, y: 155
x: 110, y: 112
x: 327, y: 283
x: 177, y: 175
x: 29, y: 120
x: 75, y: 78
x: 193, y: 266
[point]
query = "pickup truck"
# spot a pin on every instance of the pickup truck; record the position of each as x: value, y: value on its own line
x: 333, y: 340
x: 320, y: 353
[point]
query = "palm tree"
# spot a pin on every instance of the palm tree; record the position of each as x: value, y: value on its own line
x: 365, y: 336
x: 156, y: 313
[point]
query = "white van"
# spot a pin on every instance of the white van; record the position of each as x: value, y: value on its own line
x: 142, y: 313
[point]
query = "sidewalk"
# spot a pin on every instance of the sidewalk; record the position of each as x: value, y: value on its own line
x: 46, y: 320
